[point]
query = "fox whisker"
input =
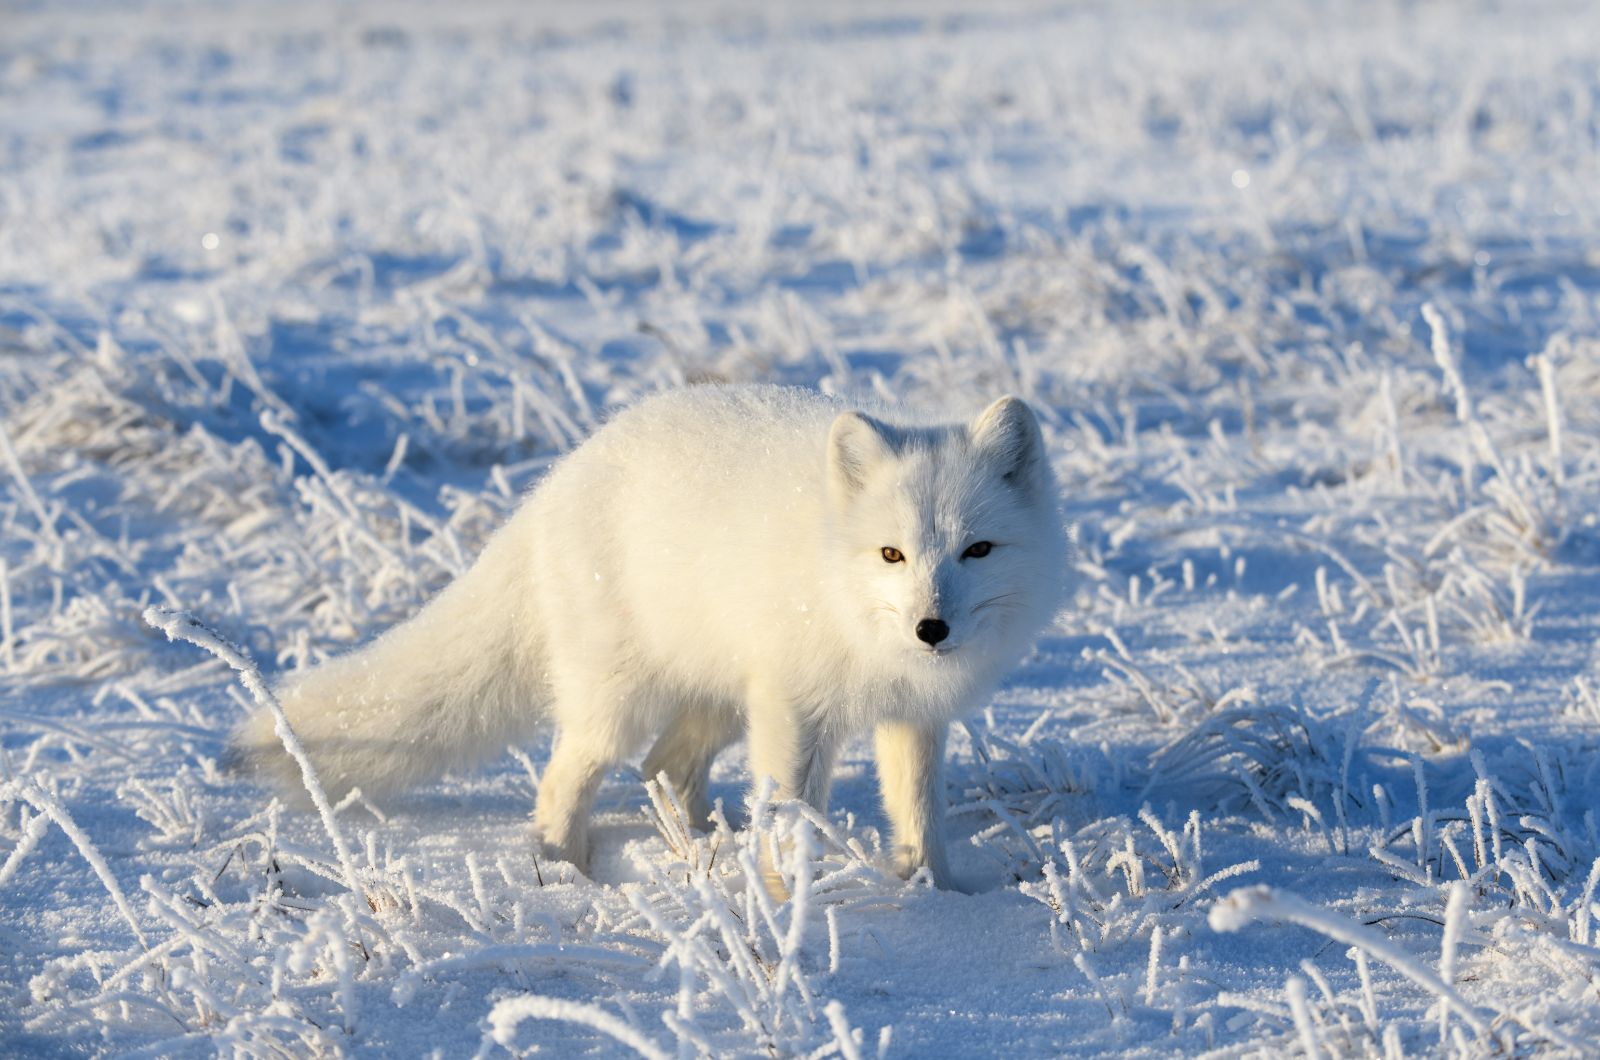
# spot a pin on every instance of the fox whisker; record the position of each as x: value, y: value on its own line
x: 992, y: 601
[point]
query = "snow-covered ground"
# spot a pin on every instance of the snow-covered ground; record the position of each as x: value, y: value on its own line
x: 296, y: 299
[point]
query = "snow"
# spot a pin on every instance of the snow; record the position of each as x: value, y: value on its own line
x: 296, y: 300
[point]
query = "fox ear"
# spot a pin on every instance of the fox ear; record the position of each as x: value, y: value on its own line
x: 855, y: 443
x: 1009, y: 433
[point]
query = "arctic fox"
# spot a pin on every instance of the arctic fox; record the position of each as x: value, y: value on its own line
x: 717, y: 561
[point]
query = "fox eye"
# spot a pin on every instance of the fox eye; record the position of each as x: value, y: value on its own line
x: 893, y: 555
x: 977, y: 550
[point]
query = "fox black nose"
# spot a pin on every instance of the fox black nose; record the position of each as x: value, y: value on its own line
x: 932, y: 631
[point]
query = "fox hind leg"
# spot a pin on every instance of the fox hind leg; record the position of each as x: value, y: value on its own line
x: 684, y: 752
x: 588, y: 743
x: 566, y: 795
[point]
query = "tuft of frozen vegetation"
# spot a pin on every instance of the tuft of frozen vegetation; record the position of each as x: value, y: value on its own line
x: 294, y: 305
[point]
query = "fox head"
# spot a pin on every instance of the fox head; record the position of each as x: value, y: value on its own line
x: 948, y: 546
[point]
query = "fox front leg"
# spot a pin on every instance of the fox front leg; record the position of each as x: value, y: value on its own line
x: 797, y: 752
x: 911, y: 776
x: 794, y: 749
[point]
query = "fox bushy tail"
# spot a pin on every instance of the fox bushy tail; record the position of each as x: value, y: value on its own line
x: 445, y: 689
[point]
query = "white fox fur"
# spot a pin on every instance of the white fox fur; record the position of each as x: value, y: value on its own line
x: 712, y: 563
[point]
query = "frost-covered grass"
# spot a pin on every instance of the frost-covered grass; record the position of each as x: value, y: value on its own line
x: 295, y: 301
